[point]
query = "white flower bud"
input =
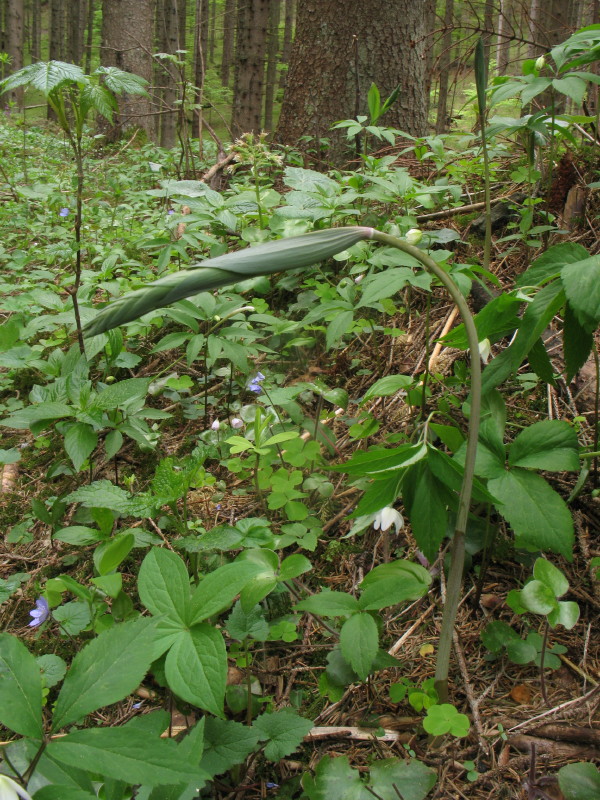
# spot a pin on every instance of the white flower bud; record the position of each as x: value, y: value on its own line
x: 215, y: 425
x: 358, y: 278
x: 237, y: 423
x: 485, y: 348
x: 540, y: 63
x: 414, y: 236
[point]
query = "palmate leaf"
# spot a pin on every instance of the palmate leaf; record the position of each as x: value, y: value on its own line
x: 99, y: 99
x: 119, y: 81
x: 45, y: 76
x: 283, y: 254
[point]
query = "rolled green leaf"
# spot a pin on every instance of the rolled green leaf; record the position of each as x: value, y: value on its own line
x: 265, y: 259
x: 480, y: 77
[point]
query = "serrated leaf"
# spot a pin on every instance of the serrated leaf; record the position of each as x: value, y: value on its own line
x: 37, y: 413
x: 335, y: 778
x: 53, y: 669
x: 535, y: 512
x: 577, y: 343
x: 283, y: 731
x: 196, y: 667
x: 411, y: 778
x: 226, y: 743
x: 582, y: 287
x: 550, y: 263
x: 118, y: 394
x: 550, y: 445
x: 164, y: 585
x: 20, y: 688
x: 100, y: 494
x: 359, y: 640
x: 105, y: 670
x: 125, y: 754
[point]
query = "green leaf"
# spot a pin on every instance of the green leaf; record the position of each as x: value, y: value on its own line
x: 374, y: 103
x: 376, y: 461
x: 566, y: 614
x: 425, y: 499
x: 411, y: 778
x: 384, y: 284
x: 226, y: 743
x: 37, y: 413
x: 53, y: 669
x: 78, y: 535
x: 164, y: 585
x: 264, y: 259
x: 496, y: 635
x: 536, y: 319
x: 243, y: 625
x: 196, y: 667
x: 577, y: 343
x: 335, y: 778
x: 521, y: 652
x: 481, y: 77
x: 582, y: 287
x: 73, y: 617
x: 293, y: 566
x: 537, y: 514
x: 125, y: 754
x: 444, y: 718
x: 550, y: 575
x: 119, y: 81
x: 359, y: 640
x: 580, y: 781
x: 387, y: 386
x: 538, y: 598
x: 61, y: 792
x: 217, y: 590
x: 110, y: 555
x: 9, y: 456
x: 550, y: 445
x: 118, y: 394
x: 45, y: 76
x: 283, y: 731
x: 396, y: 582
x: 329, y: 604
x: 105, y: 670
x: 20, y: 688
x: 550, y: 263
x: 572, y: 86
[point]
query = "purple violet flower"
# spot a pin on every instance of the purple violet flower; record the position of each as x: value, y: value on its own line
x: 254, y: 385
x: 64, y: 212
x: 40, y: 613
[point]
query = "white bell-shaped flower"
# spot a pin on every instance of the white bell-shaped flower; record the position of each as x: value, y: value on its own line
x: 387, y: 517
x: 10, y: 790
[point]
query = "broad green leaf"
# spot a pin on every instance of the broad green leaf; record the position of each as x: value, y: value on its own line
x: 550, y: 445
x: 547, y: 573
x: 53, y: 669
x: 73, y: 617
x: 61, y: 792
x: 550, y: 263
x: 389, y: 584
x: 521, y: 652
x: 387, y: 386
x: 110, y: 555
x: 536, y: 513
x: 573, y: 87
x: 359, y: 640
x: 375, y: 461
x: 566, y: 614
x: 125, y: 754
x: 20, y: 688
x: 118, y: 394
x: 426, y: 500
x: 45, y: 76
x: 385, y: 284
x: 264, y: 259
x: 538, y: 598
x: 105, y: 670
x: 196, y: 668
x: 496, y: 635
x: 577, y: 343
x: 497, y: 319
x: 37, y: 413
x: 329, y: 604
x: 217, y: 590
x: 226, y: 743
x: 79, y: 535
x: 100, y: 494
x: 241, y: 625
x: 580, y: 781
x: 164, y: 585
x: 410, y: 777
x: 335, y: 778
x: 582, y: 287
x: 293, y: 566
x: 283, y: 731
x: 536, y: 319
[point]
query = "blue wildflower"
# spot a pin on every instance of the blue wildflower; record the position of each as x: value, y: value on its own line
x: 40, y: 613
x: 271, y: 785
x: 254, y: 385
x: 64, y: 212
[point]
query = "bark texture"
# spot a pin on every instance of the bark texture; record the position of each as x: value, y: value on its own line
x: 127, y: 27
x: 14, y: 48
x: 340, y: 48
x: 249, y: 73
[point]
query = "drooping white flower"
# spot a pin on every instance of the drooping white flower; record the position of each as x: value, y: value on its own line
x: 414, y: 236
x: 10, y: 790
x: 358, y: 278
x: 215, y: 425
x: 387, y: 517
x: 485, y: 349
x: 540, y: 63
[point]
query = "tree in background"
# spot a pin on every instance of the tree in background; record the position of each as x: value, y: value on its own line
x: 249, y: 71
x: 343, y: 46
x: 127, y: 43
x: 14, y: 43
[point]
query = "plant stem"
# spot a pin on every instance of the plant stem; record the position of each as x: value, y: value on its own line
x: 454, y: 584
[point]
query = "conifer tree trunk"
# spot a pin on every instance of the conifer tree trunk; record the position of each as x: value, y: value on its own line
x: 76, y: 19
x: 288, y: 36
x: 444, y: 68
x: 272, y: 59
x: 89, y: 37
x: 14, y: 42
x: 250, y: 51
x: 168, y: 35
x: 504, y: 31
x: 200, y: 54
x: 36, y: 30
x: 127, y: 27
x: 228, y: 26
x: 56, y: 30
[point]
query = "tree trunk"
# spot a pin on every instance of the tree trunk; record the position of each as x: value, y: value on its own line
x: 551, y: 28
x: 444, y: 68
x: 127, y: 44
x: 228, y: 39
x: 288, y: 37
x: 168, y: 30
x: 76, y: 20
x: 89, y: 37
x: 212, y: 30
x: 56, y: 30
x: 249, y: 74
x: 200, y: 55
x: 36, y: 30
x: 323, y: 85
x: 272, y: 53
x: 14, y: 43
x: 505, y: 30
